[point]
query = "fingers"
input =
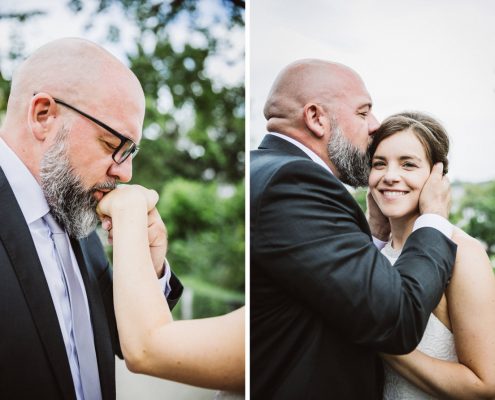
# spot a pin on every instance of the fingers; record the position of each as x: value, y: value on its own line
x: 436, y: 173
x: 436, y: 195
x: 106, y: 223
x: 150, y: 195
x: 126, y: 197
x: 151, y: 198
x: 157, y: 232
x: 437, y: 169
x: 157, y: 238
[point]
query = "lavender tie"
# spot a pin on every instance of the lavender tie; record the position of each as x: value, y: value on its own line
x: 81, y: 323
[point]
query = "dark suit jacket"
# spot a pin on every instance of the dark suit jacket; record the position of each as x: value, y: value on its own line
x: 324, y: 300
x: 33, y: 360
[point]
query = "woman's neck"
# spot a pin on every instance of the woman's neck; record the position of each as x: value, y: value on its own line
x: 401, y: 228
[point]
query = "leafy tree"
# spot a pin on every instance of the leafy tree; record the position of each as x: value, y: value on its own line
x: 205, y: 222
x: 209, y: 144
x: 476, y: 214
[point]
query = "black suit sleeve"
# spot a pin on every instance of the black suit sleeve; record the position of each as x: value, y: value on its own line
x: 176, y: 291
x: 308, y: 236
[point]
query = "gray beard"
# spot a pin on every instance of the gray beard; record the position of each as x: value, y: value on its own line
x: 70, y: 203
x: 352, y: 164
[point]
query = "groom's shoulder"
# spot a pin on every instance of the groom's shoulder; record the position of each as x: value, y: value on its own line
x: 288, y: 172
x: 273, y: 160
x: 266, y: 163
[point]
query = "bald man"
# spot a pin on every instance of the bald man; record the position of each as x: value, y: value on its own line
x: 324, y: 301
x: 74, y: 119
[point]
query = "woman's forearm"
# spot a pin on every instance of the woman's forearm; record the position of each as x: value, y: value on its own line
x: 439, y: 378
x: 139, y: 302
x: 207, y: 352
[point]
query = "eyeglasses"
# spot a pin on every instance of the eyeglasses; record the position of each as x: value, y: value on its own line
x: 126, y: 148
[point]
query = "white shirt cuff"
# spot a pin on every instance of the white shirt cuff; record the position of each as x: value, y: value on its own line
x: 434, y: 221
x: 165, y: 279
x: 379, y: 244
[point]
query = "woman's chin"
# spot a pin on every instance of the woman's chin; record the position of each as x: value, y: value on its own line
x: 400, y: 214
x: 392, y: 213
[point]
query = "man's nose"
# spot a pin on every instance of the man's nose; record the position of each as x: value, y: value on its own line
x: 373, y: 124
x: 121, y: 172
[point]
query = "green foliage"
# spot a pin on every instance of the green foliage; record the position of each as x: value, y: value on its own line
x: 199, y: 132
x: 213, y: 144
x: 4, y: 93
x: 206, y: 234
x: 360, y: 196
x: 206, y: 231
x: 476, y: 214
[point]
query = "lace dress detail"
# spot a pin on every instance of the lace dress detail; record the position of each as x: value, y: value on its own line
x: 437, y: 342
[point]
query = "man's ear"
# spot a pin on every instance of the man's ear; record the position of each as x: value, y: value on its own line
x: 314, y: 118
x: 42, y: 115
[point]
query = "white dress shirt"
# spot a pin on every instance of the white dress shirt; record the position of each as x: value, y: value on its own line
x: 32, y: 202
x: 425, y: 220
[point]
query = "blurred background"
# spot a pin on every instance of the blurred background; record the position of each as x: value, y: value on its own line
x: 432, y: 56
x: 189, y: 57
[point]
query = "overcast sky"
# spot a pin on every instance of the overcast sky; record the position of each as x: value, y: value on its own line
x: 434, y: 56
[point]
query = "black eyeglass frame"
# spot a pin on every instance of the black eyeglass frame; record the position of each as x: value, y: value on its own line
x: 133, y: 149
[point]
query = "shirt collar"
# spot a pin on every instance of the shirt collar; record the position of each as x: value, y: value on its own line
x: 311, y: 154
x: 27, y: 191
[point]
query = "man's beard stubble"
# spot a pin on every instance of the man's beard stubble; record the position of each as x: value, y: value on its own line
x: 70, y: 203
x: 351, y: 163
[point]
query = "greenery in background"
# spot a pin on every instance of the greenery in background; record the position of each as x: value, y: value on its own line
x: 192, y: 151
x: 473, y: 210
x: 476, y: 213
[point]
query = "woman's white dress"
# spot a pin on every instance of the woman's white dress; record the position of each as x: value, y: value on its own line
x: 437, y: 342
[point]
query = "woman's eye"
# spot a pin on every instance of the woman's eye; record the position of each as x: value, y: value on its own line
x: 377, y: 164
x: 409, y: 165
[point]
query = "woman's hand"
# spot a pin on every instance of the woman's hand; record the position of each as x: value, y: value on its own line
x: 128, y: 199
x: 379, y: 223
x: 125, y: 198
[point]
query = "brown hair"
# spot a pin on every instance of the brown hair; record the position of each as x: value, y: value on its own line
x: 430, y: 133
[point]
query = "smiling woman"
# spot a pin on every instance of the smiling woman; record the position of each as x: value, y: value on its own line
x: 454, y: 358
x: 403, y: 151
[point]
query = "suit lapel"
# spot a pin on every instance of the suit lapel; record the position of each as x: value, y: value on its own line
x: 101, y: 333
x: 17, y: 240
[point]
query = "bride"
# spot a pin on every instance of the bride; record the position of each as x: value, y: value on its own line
x: 456, y: 357
x: 205, y: 352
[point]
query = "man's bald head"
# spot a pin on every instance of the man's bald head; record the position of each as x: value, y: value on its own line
x: 302, y: 82
x: 74, y: 70
x: 86, y: 76
x: 326, y: 107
